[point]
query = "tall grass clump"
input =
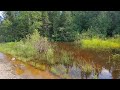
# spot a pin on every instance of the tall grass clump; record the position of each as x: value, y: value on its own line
x: 66, y: 58
x: 115, y: 57
x: 86, y: 68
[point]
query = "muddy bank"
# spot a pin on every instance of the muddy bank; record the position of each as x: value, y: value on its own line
x: 12, y: 69
x: 6, y: 69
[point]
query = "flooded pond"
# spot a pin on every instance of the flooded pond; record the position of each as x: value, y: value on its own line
x: 103, y: 67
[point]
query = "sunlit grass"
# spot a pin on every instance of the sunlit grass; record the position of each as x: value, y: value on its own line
x: 87, y: 68
x: 100, y: 44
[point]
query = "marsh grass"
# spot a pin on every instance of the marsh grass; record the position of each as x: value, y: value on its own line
x: 115, y: 57
x: 66, y: 57
x: 99, y: 44
x: 87, y: 68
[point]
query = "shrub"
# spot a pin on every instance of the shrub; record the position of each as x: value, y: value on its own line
x: 42, y: 45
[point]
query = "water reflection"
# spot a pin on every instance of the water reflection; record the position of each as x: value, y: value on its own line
x: 105, y: 74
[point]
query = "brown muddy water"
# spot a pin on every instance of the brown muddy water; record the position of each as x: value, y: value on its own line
x: 103, y: 67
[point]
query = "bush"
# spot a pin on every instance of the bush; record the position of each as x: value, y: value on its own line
x: 45, y: 52
x: 42, y: 45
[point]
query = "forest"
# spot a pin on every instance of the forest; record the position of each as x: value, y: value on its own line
x: 59, y: 25
x: 60, y: 41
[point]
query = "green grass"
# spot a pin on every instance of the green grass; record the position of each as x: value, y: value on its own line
x: 18, y: 50
x: 100, y: 44
x: 87, y: 68
x: 116, y: 57
x: 28, y: 49
x: 66, y: 58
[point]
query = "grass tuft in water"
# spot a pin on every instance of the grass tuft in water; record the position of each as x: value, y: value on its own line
x: 66, y: 58
x: 116, y: 57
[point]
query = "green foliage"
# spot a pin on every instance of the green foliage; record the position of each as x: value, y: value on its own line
x: 50, y: 56
x: 100, y: 44
x: 59, y: 25
x: 116, y: 57
x: 86, y: 67
x: 66, y: 57
x: 22, y: 23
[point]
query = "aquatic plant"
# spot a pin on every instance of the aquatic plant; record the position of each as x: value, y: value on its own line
x: 87, y: 68
x: 66, y: 57
x: 116, y: 57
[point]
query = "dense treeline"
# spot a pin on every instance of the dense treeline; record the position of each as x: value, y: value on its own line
x: 59, y: 25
